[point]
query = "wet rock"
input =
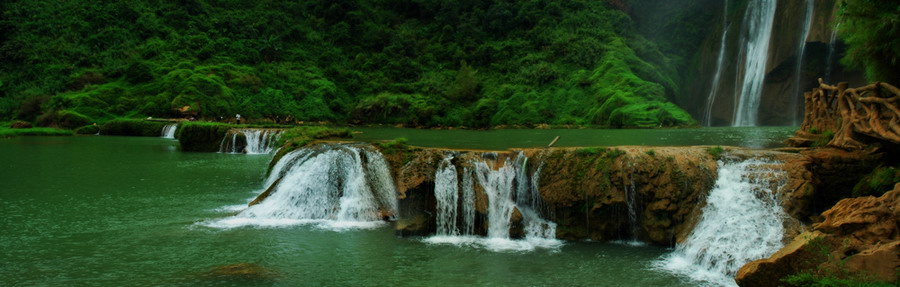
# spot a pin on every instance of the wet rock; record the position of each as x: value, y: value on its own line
x: 859, y: 238
x: 241, y: 272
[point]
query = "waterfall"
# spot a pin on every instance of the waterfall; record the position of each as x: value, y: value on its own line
x: 742, y: 221
x: 260, y: 141
x: 720, y: 61
x: 333, y: 186
x: 630, y: 195
x: 830, y: 61
x: 168, y: 131
x: 755, y: 34
x: 796, y: 116
x: 446, y: 192
x: 256, y: 141
x: 509, y: 190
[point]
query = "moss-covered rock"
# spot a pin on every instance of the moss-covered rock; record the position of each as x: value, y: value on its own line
x: 202, y: 136
x: 88, y: 130
x: 132, y: 127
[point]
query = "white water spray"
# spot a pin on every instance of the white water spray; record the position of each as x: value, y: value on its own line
x: 720, y: 63
x: 742, y: 221
x: 507, y: 188
x: 336, y: 187
x: 759, y: 19
x: 257, y: 141
x: 168, y: 131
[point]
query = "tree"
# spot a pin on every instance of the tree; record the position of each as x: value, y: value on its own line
x: 871, y: 30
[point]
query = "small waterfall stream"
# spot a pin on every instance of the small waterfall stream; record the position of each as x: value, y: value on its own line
x: 168, y: 131
x: 742, y: 221
x: 510, y: 192
x: 336, y: 187
x: 255, y: 141
x: 756, y: 34
x: 832, y: 49
x: 720, y: 63
x: 796, y: 115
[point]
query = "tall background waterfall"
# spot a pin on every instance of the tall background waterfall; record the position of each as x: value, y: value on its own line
x: 510, y: 191
x: 759, y: 57
x: 742, y: 221
x: 755, y: 36
x: 332, y: 186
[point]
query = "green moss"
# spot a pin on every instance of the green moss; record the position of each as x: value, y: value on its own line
x: 823, y: 139
x: 132, y: 127
x: 8, y: 132
x: 876, y: 183
x: 614, y: 153
x: 201, y: 136
x: 715, y: 152
x: 651, y: 152
x: 588, y: 151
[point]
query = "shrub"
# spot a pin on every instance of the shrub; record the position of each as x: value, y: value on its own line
x: 201, y: 136
x: 132, y: 127
x: 881, y: 180
x: 715, y: 152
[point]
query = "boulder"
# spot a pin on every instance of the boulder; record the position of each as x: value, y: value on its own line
x: 858, y: 239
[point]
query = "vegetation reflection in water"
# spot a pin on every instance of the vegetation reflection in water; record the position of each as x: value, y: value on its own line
x: 119, y: 210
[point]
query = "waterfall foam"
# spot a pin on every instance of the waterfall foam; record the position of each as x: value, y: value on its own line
x: 168, y: 131
x: 508, y: 189
x: 334, y: 187
x: 756, y: 33
x: 256, y: 141
x: 742, y: 221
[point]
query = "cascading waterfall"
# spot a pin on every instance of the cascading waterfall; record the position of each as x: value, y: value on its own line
x: 720, y: 63
x: 631, y: 202
x: 168, y: 131
x: 798, y: 68
x: 336, y: 186
x: 755, y: 34
x: 742, y: 221
x: 446, y: 192
x: 508, y: 189
x: 257, y: 141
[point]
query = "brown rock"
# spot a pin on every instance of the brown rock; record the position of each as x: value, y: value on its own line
x: 794, y: 257
x: 864, y: 220
x: 881, y: 261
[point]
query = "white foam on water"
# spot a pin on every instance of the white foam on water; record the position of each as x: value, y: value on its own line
x: 741, y: 222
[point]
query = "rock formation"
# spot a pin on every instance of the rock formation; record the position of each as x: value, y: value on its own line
x: 858, y: 239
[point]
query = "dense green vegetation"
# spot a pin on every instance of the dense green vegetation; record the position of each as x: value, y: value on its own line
x: 8, y: 132
x: 871, y: 29
x: 413, y: 62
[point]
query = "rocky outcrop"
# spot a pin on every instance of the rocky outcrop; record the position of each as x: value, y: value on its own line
x: 858, y: 239
x: 652, y: 194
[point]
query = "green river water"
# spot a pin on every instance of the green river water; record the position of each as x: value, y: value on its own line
x: 111, y: 211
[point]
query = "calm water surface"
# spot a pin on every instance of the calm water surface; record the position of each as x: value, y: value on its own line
x: 752, y: 137
x: 108, y: 211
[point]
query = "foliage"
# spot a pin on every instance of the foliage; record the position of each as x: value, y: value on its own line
x: 876, y: 183
x: 201, y: 136
x: 87, y: 130
x: 8, y: 132
x: 397, y: 145
x: 716, y: 152
x: 411, y: 62
x: 871, y: 30
x: 651, y: 152
x: 132, y: 127
x: 614, y: 153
